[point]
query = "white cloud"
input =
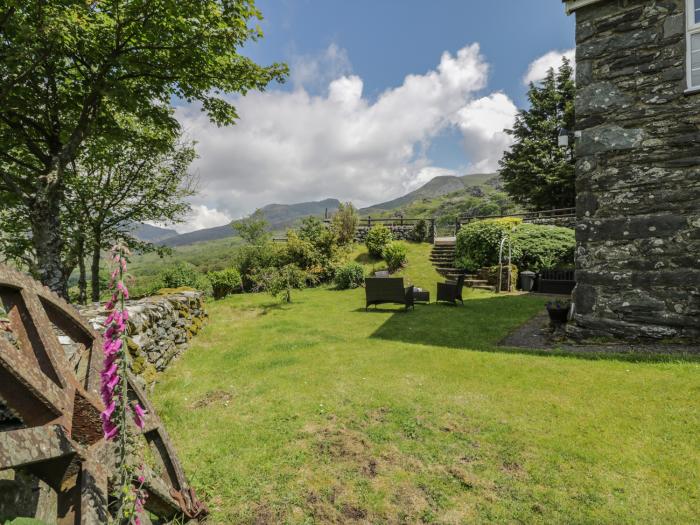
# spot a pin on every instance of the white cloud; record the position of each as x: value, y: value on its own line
x: 295, y: 146
x: 538, y: 68
x: 314, y: 72
x: 203, y: 217
x: 482, y: 123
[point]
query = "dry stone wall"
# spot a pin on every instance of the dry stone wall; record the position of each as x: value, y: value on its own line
x: 160, y: 327
x: 638, y: 173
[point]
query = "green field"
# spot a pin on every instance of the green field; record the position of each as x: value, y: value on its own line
x: 320, y: 412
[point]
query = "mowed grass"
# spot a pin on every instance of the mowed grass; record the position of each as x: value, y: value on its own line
x: 320, y: 412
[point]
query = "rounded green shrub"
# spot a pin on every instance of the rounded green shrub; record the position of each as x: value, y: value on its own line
x: 540, y: 247
x: 478, y: 242
x: 377, y: 239
x: 533, y: 246
x: 182, y: 275
x: 350, y: 275
x: 395, y: 255
x: 225, y: 282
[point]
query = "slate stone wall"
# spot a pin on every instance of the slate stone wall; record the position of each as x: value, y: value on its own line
x: 160, y: 328
x: 638, y: 173
x: 400, y: 232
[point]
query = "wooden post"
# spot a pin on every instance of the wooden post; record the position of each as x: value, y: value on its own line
x: 369, y: 221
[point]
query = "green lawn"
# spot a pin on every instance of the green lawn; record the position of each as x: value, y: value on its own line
x: 318, y: 412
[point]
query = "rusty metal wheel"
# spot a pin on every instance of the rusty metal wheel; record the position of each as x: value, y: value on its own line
x: 54, y: 463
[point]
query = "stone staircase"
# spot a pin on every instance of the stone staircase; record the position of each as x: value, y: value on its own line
x: 443, y: 258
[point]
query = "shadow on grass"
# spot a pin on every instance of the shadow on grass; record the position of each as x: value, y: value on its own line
x: 480, y: 324
x: 366, y: 258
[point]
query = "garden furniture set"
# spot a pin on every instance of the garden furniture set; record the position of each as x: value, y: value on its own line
x: 382, y: 289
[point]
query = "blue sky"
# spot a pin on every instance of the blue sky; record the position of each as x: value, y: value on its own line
x: 388, y: 39
x: 372, y: 46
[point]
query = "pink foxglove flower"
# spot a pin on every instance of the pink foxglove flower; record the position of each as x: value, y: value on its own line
x: 139, y: 414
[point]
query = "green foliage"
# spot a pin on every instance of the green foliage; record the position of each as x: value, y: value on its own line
x: 533, y: 246
x: 350, y: 275
x: 377, y: 238
x: 279, y: 282
x: 94, y: 69
x: 345, y: 223
x: 538, y: 247
x: 225, y: 282
x: 537, y: 172
x: 249, y: 260
x: 312, y: 229
x: 253, y: 229
x: 420, y: 231
x: 478, y: 241
x: 184, y: 275
x: 395, y: 255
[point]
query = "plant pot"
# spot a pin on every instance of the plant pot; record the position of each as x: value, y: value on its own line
x: 558, y: 315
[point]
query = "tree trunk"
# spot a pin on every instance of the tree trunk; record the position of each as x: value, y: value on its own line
x: 82, y: 280
x: 95, y: 268
x: 46, y: 236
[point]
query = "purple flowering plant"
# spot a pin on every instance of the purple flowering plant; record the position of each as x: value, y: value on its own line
x: 130, y: 496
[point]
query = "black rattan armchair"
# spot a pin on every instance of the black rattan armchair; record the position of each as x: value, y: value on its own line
x: 451, y: 291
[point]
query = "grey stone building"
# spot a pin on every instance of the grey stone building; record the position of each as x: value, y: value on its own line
x: 638, y: 168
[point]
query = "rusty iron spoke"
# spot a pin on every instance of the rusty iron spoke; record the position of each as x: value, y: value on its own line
x: 50, y: 426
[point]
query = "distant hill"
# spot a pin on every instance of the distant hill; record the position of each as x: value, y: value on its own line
x: 437, y: 187
x: 280, y: 217
x: 148, y: 233
x: 443, y: 196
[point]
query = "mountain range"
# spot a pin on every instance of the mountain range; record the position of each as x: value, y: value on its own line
x: 283, y: 216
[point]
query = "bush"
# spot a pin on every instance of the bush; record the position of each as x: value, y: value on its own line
x: 420, y: 231
x: 478, y: 242
x: 395, y: 256
x: 249, y: 259
x: 182, y: 275
x: 377, y: 239
x: 350, y: 275
x: 539, y: 247
x: 224, y: 282
x: 534, y: 246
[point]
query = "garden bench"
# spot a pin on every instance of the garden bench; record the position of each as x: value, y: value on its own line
x: 381, y: 290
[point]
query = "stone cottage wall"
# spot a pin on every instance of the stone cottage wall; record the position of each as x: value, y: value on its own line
x: 159, y: 329
x: 638, y: 173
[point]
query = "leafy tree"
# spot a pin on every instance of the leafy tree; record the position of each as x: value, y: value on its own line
x: 311, y: 229
x: 537, y: 173
x: 253, y: 229
x: 73, y: 69
x: 279, y: 282
x: 118, y: 184
x: 345, y: 223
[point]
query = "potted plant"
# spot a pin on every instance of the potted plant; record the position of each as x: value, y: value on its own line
x: 558, y: 312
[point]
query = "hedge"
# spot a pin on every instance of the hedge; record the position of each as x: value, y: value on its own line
x: 534, y: 246
x: 478, y: 241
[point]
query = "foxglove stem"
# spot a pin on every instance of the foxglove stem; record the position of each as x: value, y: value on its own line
x: 115, y: 391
